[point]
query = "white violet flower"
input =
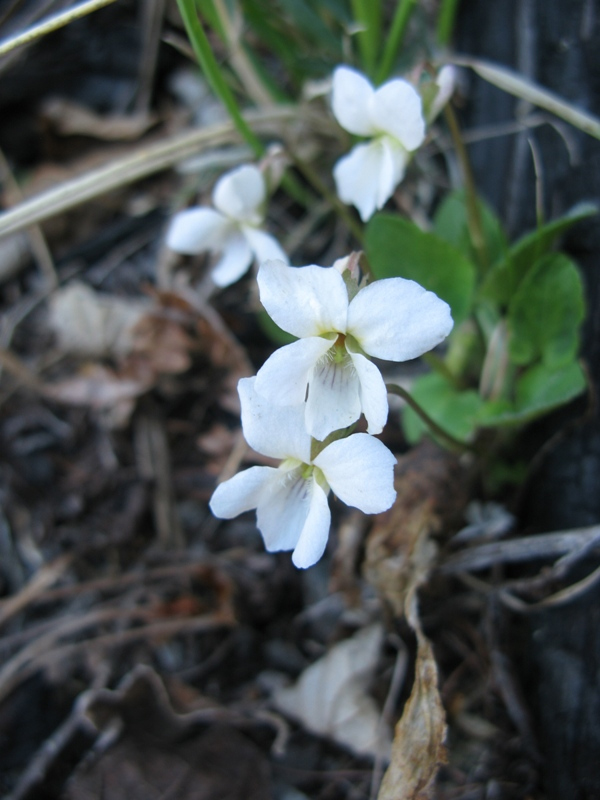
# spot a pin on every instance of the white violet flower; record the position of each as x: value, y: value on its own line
x: 393, y: 116
x: 292, y: 509
x: 232, y: 230
x: 393, y: 319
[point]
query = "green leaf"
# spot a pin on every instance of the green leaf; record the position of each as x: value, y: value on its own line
x: 450, y: 223
x: 503, y: 280
x: 397, y: 248
x: 453, y: 410
x: 539, y: 390
x: 545, y: 314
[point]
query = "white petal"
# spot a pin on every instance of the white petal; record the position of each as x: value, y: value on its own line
x: 242, y: 492
x: 305, y: 301
x: 276, y: 431
x: 283, y: 510
x: 396, y: 108
x: 350, y: 101
x: 397, y: 319
x: 283, y: 378
x: 358, y: 177
x: 360, y: 471
x: 234, y: 261
x: 241, y: 194
x: 333, y: 398
x: 393, y: 165
x: 197, y: 229
x: 313, y: 538
x: 445, y: 81
x: 373, y: 394
x: 264, y: 246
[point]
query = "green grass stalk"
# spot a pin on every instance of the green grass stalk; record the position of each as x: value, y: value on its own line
x: 402, y: 15
x: 213, y: 74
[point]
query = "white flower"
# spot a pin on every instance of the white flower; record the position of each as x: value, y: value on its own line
x: 393, y: 319
x: 292, y: 511
x: 233, y: 230
x: 393, y: 116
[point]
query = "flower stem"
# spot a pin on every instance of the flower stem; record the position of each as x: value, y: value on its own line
x: 451, y: 441
x: 438, y: 365
x: 321, y: 188
x: 473, y: 216
x: 404, y: 9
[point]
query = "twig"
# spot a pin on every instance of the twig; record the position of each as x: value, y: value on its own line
x: 37, y: 241
x: 52, y: 24
x: 543, y: 546
x: 143, y: 161
x: 43, y: 578
x: 15, y: 673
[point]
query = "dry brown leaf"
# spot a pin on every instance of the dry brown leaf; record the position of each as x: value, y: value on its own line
x: 101, y: 389
x: 400, y: 553
x: 163, y: 342
x: 431, y: 488
x: 70, y: 118
x: 418, y: 746
x: 89, y: 323
x: 330, y: 697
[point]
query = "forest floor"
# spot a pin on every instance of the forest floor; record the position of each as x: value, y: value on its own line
x: 146, y: 648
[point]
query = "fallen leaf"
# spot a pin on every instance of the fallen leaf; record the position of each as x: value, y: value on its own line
x: 102, y: 389
x: 400, y: 552
x: 162, y: 342
x: 418, y: 747
x: 89, y: 323
x: 330, y: 697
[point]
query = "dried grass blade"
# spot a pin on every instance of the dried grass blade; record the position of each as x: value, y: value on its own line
x: 521, y: 87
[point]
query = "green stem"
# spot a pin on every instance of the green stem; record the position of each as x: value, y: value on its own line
x: 473, y: 216
x: 438, y: 365
x: 446, y: 17
x: 367, y: 13
x: 404, y: 10
x: 320, y: 187
x: 213, y: 73
x: 451, y: 441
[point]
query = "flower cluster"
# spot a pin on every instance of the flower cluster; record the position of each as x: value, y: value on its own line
x: 308, y: 393
x: 302, y: 405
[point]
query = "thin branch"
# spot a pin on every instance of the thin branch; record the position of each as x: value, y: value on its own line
x: 52, y: 24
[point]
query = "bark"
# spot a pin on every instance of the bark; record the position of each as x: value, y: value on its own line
x: 556, y: 44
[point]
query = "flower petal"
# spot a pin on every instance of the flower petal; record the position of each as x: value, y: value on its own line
x: 197, y: 229
x: 313, y: 538
x: 283, y: 378
x: 393, y: 165
x: 241, y: 194
x: 358, y: 177
x: 373, y: 394
x: 396, y: 108
x: 283, y: 510
x: 446, y: 82
x: 333, y: 397
x: 264, y: 246
x: 397, y: 319
x: 276, y: 431
x: 351, y: 96
x: 305, y: 301
x: 242, y: 492
x: 235, y: 260
x: 360, y: 471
